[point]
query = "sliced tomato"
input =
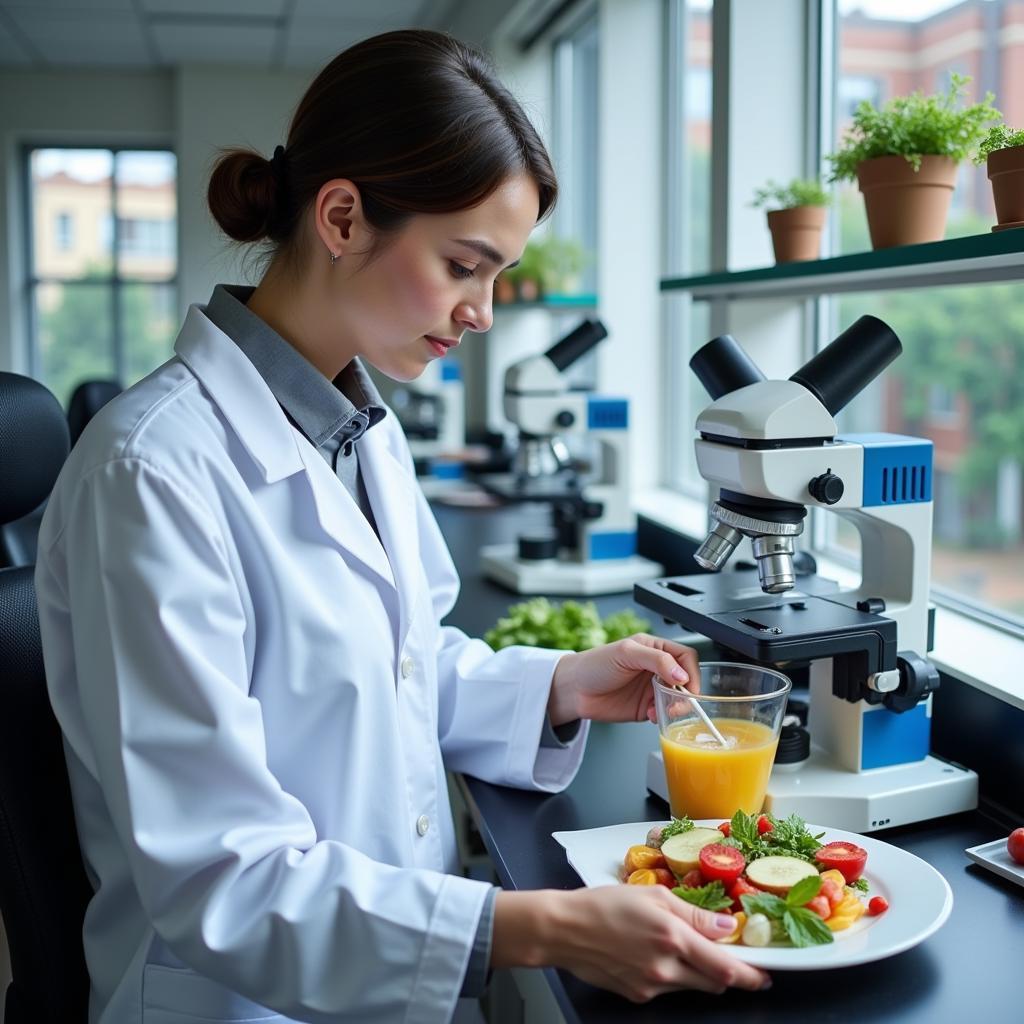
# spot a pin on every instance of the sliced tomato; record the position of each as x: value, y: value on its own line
x: 721, y: 863
x: 725, y: 828
x: 741, y: 887
x: 847, y: 858
x: 643, y: 876
x: 821, y: 906
x: 764, y: 825
x: 832, y: 891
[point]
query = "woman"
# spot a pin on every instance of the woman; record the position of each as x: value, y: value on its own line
x: 241, y: 587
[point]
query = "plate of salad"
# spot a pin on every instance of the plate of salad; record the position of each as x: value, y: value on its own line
x: 805, y: 897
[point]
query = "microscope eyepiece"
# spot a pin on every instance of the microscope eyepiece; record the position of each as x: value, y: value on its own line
x: 722, y: 366
x: 841, y: 370
x: 576, y: 343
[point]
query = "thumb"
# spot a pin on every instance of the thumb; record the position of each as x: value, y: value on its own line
x: 707, y: 922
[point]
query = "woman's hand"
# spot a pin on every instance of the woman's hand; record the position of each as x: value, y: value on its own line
x: 612, y: 683
x: 638, y: 941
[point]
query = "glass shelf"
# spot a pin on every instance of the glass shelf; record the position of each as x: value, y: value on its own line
x: 997, y: 256
x: 554, y: 302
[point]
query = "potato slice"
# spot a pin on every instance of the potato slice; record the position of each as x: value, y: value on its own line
x: 682, y: 852
x: 779, y: 874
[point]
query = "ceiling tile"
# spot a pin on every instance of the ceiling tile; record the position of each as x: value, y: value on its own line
x: 69, y: 5
x: 311, y: 44
x: 12, y: 52
x: 204, y: 43
x: 405, y: 11
x: 84, y: 38
x: 242, y: 9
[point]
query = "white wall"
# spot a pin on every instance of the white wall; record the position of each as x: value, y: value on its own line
x: 214, y: 108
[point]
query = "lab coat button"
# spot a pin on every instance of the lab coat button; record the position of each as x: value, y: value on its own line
x: 408, y: 665
x: 422, y: 824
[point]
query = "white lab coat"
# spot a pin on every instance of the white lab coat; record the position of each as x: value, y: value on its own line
x: 256, y: 698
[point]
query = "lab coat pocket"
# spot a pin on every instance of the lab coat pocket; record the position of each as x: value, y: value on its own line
x: 174, y: 995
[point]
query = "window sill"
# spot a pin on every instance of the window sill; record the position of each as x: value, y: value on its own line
x: 974, y: 652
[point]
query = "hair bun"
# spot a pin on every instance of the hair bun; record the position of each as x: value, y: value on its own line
x: 244, y: 196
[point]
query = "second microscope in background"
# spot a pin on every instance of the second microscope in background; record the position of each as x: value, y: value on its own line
x: 590, y: 547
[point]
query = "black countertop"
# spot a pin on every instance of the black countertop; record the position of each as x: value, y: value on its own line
x: 968, y: 968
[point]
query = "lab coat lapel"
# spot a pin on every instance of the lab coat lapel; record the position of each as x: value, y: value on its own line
x: 391, y: 488
x: 277, y: 448
x: 341, y: 517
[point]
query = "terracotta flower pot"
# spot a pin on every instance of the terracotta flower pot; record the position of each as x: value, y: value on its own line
x: 1006, y: 172
x: 796, y: 232
x: 904, y: 206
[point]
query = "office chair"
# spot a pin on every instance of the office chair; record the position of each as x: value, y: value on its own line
x: 43, y: 886
x: 18, y: 538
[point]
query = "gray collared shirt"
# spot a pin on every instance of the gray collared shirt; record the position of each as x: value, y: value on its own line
x: 333, y: 416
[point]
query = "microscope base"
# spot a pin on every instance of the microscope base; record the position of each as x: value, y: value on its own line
x: 858, y: 802
x: 553, y: 576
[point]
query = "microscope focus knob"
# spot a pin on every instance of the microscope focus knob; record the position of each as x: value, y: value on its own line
x: 918, y: 678
x: 565, y: 418
x: 827, y: 488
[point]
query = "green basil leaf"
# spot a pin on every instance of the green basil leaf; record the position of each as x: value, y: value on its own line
x: 763, y: 903
x: 710, y: 897
x: 805, y: 928
x: 804, y: 891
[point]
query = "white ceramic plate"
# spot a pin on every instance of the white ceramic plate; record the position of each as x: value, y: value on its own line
x: 996, y: 857
x: 919, y: 897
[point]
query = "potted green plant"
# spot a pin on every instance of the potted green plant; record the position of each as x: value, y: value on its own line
x: 1003, y: 152
x: 796, y: 215
x: 904, y: 159
x: 548, y: 266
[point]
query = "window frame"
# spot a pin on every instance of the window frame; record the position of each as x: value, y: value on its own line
x: 115, y: 282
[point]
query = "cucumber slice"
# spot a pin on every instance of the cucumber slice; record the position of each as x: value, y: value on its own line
x: 779, y: 874
x: 683, y: 851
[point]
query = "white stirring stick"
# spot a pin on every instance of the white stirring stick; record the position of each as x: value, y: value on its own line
x: 704, y: 717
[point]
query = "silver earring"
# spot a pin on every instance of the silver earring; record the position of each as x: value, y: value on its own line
x: 334, y: 259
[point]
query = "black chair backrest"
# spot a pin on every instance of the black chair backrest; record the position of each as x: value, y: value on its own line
x: 43, y: 886
x: 86, y: 400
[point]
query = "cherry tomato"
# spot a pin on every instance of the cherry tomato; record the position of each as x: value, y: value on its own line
x: 821, y: 906
x: 665, y: 877
x: 764, y: 825
x: 832, y: 892
x: 846, y: 858
x: 725, y: 828
x: 643, y: 876
x: 877, y: 905
x: 692, y: 879
x: 721, y: 863
x: 644, y: 857
x: 1015, y: 845
x: 741, y: 887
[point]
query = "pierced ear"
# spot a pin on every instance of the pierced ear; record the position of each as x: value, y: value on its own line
x: 338, y: 215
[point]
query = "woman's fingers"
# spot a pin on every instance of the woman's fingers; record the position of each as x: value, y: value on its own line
x: 674, y: 662
x: 716, y: 962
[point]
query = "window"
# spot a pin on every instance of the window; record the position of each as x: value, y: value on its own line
x: 576, y: 71
x: 64, y: 231
x: 102, y: 264
x: 688, y: 206
x: 960, y: 380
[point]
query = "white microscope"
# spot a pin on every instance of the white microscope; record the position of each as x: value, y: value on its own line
x: 432, y: 412
x: 772, y: 450
x: 591, y: 545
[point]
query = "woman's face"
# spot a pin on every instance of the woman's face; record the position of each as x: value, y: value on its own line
x: 434, y: 281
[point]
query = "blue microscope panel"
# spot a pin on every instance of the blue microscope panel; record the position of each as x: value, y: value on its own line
x: 889, y: 738
x: 897, y: 468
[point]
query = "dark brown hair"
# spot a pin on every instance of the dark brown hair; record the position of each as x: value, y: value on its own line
x: 417, y: 120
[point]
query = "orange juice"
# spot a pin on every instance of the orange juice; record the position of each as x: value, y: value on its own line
x: 706, y: 780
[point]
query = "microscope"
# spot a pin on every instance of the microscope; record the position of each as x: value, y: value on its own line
x: 432, y: 415
x: 771, y: 449
x: 591, y: 545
